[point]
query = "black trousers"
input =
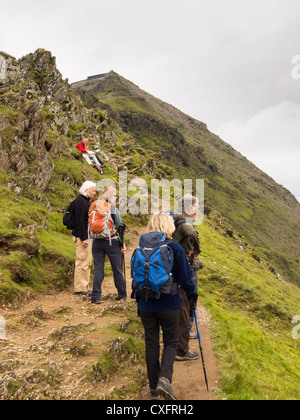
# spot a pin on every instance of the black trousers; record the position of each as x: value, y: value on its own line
x: 169, y: 322
x: 101, y: 248
x: 184, y: 323
x: 99, y: 160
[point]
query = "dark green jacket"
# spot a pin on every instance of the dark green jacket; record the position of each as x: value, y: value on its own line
x: 187, y: 236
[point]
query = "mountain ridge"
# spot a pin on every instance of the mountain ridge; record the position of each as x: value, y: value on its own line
x: 253, y: 202
x: 198, y: 124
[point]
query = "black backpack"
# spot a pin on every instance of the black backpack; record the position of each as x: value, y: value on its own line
x: 175, y: 217
x: 69, y: 219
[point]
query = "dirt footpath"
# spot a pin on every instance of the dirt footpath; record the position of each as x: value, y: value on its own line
x: 54, y: 341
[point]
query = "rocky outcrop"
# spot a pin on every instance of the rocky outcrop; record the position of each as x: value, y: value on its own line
x: 4, y: 158
x: 38, y: 102
x: 4, y: 122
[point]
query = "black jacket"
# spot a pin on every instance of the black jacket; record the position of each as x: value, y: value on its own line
x: 81, y: 210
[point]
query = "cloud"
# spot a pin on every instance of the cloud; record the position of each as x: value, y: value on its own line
x: 226, y: 63
x: 271, y: 140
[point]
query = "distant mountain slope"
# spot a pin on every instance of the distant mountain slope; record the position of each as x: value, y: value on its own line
x: 265, y: 213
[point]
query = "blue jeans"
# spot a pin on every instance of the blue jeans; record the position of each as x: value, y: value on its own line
x: 101, y: 248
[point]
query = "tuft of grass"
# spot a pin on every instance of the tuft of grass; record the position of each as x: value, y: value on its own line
x: 106, y: 365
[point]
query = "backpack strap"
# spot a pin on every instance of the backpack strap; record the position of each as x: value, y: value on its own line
x: 180, y: 222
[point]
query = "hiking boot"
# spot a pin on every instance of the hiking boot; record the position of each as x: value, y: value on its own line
x: 154, y: 395
x: 164, y: 388
x: 121, y: 298
x: 96, y: 301
x: 187, y: 357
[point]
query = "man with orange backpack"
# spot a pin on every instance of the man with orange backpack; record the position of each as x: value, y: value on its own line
x: 104, y: 223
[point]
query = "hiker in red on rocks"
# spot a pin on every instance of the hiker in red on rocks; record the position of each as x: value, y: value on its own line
x: 91, y: 158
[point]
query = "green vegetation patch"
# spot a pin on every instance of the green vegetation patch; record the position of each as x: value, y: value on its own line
x: 252, y: 313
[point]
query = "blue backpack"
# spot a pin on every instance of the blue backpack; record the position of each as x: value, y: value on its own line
x: 151, y: 267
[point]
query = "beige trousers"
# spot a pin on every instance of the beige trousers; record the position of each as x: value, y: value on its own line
x: 83, y: 265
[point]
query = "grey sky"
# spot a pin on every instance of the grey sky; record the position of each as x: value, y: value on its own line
x: 227, y: 63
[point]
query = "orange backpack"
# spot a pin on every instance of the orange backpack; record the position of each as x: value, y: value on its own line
x: 101, y: 224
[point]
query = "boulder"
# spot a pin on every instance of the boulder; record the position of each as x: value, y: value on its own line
x: 4, y: 122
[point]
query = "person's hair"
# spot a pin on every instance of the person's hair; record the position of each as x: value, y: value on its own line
x: 86, y: 186
x: 187, y: 202
x: 107, y: 193
x: 162, y: 223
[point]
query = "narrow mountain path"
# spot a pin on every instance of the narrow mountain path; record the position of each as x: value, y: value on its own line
x: 54, y: 342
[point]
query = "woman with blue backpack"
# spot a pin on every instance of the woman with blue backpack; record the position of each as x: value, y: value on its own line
x: 158, y: 268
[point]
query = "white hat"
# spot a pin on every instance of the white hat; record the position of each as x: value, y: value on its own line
x: 85, y: 187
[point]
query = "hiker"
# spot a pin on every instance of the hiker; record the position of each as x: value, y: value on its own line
x: 108, y: 244
x: 163, y: 311
x: 91, y: 158
x: 187, y: 236
x: 80, y: 235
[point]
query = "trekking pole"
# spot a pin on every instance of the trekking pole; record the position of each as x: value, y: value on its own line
x: 121, y: 232
x: 201, y: 350
x: 124, y: 265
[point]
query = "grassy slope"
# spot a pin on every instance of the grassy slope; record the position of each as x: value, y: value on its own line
x: 252, y: 313
x: 31, y: 262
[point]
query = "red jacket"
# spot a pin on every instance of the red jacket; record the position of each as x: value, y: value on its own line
x: 80, y: 146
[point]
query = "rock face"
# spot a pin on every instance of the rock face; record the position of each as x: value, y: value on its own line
x: 37, y: 108
x: 41, y: 119
x: 23, y: 127
x: 4, y: 123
